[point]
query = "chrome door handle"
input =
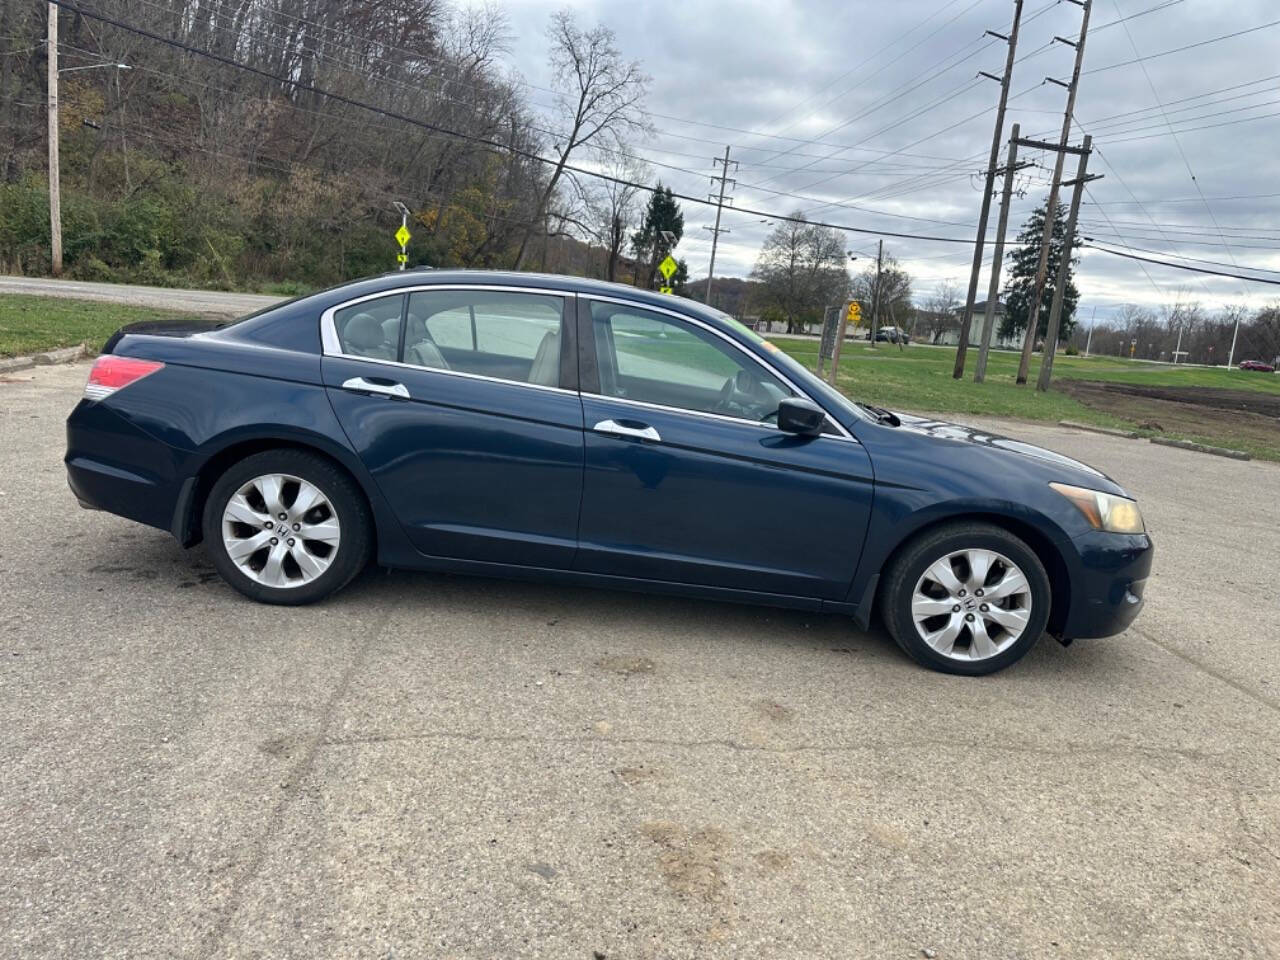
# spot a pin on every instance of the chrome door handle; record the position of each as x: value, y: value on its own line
x: 615, y: 429
x: 386, y: 389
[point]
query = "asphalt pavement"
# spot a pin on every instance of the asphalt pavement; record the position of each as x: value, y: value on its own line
x: 136, y: 295
x: 446, y: 767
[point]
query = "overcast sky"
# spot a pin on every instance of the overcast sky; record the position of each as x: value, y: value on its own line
x: 821, y: 96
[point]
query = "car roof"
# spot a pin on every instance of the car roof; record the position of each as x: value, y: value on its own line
x: 506, y: 278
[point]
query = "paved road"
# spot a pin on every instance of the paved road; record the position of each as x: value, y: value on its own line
x: 433, y: 766
x: 196, y: 301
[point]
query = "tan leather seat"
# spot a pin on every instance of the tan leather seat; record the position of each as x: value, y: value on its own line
x: 546, y: 362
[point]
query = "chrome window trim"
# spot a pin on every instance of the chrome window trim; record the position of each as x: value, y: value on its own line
x: 844, y: 434
x: 331, y: 347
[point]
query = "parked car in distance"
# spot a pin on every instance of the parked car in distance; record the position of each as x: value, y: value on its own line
x: 592, y: 434
x: 1257, y: 365
x: 890, y: 335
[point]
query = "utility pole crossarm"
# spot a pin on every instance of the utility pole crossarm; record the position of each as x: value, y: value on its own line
x: 1052, y: 147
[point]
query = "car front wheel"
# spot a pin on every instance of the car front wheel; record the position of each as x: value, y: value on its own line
x: 287, y: 527
x: 966, y: 598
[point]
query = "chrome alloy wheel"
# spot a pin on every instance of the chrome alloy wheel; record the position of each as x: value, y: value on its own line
x: 971, y: 604
x: 280, y: 530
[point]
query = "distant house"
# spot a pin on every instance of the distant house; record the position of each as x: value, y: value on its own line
x: 975, y: 327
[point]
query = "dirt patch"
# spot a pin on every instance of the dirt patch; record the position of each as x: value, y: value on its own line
x: 773, y: 861
x: 690, y: 859
x: 632, y: 776
x: 774, y: 711
x: 1230, y: 418
x: 627, y: 666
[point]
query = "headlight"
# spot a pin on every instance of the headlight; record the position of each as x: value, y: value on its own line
x: 1104, y: 511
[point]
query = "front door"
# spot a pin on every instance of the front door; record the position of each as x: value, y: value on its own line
x: 687, y: 477
x: 462, y: 404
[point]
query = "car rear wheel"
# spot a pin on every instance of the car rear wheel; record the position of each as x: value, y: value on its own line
x: 287, y: 527
x: 966, y: 598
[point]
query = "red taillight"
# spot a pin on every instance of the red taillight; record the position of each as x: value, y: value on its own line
x: 110, y: 373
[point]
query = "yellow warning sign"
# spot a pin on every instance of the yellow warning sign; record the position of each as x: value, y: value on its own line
x: 402, y: 235
x: 667, y: 267
x: 402, y: 258
x: 665, y: 290
x: 854, y: 314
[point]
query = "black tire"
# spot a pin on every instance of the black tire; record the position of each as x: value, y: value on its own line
x: 347, y: 500
x: 902, y: 574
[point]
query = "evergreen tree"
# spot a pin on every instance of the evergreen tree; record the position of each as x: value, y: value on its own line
x: 662, y: 213
x: 1020, y: 287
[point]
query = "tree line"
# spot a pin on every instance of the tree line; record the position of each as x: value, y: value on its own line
x: 183, y: 169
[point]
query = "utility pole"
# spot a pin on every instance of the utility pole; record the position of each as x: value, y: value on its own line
x: 1012, y: 40
x: 997, y: 258
x: 1093, y: 322
x: 55, y: 187
x: 716, y: 231
x: 1046, y: 239
x: 1231, y: 356
x: 875, y: 295
x: 1064, y: 265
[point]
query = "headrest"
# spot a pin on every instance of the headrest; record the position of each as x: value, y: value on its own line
x: 364, y: 332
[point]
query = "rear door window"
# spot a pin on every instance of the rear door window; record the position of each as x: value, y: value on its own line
x: 507, y: 336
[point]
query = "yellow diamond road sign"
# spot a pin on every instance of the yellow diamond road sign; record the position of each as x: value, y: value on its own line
x: 402, y: 235
x: 667, y: 267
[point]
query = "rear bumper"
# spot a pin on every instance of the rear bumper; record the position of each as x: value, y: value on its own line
x: 114, y: 466
x: 1108, y: 585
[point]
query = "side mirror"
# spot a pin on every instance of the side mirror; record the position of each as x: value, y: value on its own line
x: 799, y: 416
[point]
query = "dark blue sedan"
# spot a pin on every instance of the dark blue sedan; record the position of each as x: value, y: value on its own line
x: 552, y: 428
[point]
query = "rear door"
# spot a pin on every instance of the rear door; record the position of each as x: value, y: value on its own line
x: 463, y: 404
x: 687, y: 477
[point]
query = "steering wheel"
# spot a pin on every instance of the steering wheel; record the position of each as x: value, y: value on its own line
x: 743, y: 396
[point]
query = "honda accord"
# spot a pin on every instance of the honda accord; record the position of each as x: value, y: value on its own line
x: 544, y: 427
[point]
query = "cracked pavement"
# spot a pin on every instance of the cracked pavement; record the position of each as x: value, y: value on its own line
x: 446, y: 767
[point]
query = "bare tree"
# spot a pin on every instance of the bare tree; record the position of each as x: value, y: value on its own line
x: 939, y: 314
x: 610, y: 207
x: 599, y: 104
x: 802, y: 268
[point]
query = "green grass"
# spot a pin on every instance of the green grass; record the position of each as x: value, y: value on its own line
x: 918, y: 379
x: 31, y: 324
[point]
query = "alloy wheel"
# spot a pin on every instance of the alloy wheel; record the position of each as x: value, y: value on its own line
x: 971, y: 604
x: 280, y: 530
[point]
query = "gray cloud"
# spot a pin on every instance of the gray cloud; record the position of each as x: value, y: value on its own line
x: 769, y: 67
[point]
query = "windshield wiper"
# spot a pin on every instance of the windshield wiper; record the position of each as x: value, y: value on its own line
x: 881, y: 414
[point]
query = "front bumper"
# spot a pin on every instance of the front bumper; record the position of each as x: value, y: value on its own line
x: 1108, y: 583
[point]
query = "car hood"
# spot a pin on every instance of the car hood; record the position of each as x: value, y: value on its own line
x: 953, y: 432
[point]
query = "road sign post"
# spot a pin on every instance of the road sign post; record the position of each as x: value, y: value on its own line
x: 667, y: 268
x: 402, y: 235
x: 852, y: 313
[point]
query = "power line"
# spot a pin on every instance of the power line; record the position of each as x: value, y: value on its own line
x: 1189, y: 46
x: 1180, y: 266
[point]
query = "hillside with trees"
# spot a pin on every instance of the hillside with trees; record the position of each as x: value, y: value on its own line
x: 185, y: 169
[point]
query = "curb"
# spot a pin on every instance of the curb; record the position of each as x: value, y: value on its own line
x: 46, y: 359
x: 10, y: 364
x: 1202, y: 448
x: 65, y: 355
x: 1109, y: 431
